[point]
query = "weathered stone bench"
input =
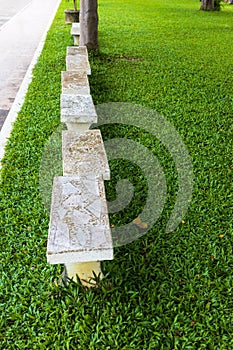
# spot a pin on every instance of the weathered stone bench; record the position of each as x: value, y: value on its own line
x: 77, y: 111
x: 79, y: 231
x: 84, y: 154
x: 75, y: 83
x: 75, y: 32
x: 77, y: 59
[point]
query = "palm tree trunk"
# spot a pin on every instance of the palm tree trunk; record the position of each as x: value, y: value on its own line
x: 75, y: 5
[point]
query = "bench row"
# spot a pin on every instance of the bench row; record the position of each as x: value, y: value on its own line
x: 79, y: 230
x: 77, y: 107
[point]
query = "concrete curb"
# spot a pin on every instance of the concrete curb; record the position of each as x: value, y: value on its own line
x: 19, y: 99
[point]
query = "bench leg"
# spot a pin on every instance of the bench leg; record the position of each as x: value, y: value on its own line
x: 78, y: 127
x: 76, y: 40
x: 86, y: 271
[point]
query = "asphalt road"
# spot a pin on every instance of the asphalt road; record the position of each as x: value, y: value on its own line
x: 9, y: 8
x: 22, y: 24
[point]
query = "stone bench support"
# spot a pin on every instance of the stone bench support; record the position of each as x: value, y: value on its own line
x: 75, y: 32
x: 86, y: 272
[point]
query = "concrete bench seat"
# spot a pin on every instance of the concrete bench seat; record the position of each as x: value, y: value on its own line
x: 74, y: 50
x: 75, y: 83
x: 84, y: 154
x: 77, y: 111
x: 79, y: 228
x: 77, y: 59
x: 75, y: 32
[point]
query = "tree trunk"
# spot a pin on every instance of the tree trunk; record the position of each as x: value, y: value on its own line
x: 75, y: 5
x: 89, y: 23
x: 207, y: 5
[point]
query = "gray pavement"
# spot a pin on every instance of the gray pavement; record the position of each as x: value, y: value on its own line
x: 22, y: 24
x: 9, y: 8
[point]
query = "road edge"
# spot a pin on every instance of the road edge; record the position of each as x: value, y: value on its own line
x: 20, y: 97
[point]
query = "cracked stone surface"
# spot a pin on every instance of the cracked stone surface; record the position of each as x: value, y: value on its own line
x: 77, y: 59
x: 75, y: 83
x: 74, y: 50
x: 78, y: 109
x: 78, y: 63
x: 84, y: 154
x: 79, y: 226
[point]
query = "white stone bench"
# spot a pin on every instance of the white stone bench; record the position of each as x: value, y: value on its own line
x: 79, y: 231
x: 75, y: 83
x: 75, y: 32
x: 77, y: 59
x: 78, y: 112
x: 84, y: 154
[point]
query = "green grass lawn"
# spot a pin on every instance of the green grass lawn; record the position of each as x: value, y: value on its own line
x: 165, y: 290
